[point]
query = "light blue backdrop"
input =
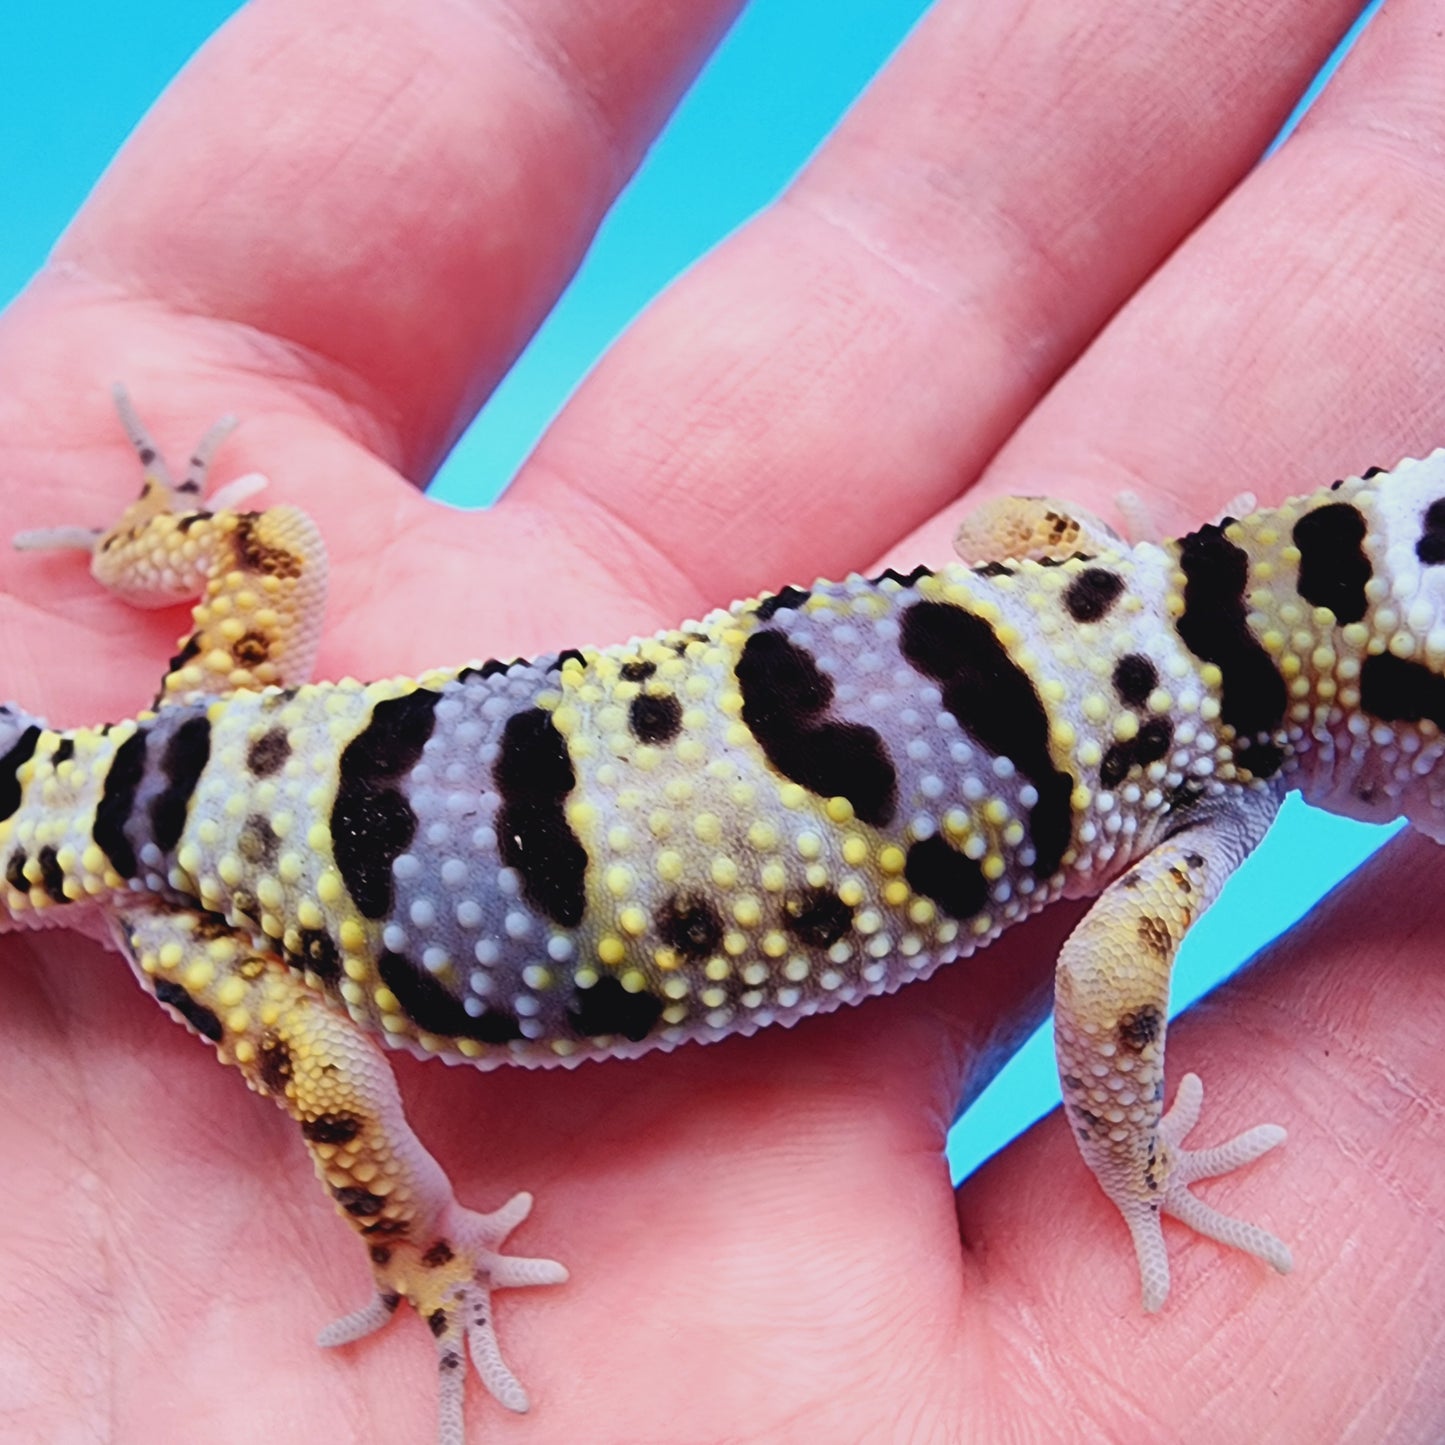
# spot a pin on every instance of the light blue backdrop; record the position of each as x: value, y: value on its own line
x: 78, y: 76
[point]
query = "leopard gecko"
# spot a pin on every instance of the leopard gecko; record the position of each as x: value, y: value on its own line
x: 792, y: 804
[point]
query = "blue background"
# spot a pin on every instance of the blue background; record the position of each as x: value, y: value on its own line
x: 78, y: 76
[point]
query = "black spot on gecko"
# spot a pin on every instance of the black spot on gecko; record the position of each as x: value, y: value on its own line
x: 338, y: 1128
x: 319, y: 954
x: 200, y: 1018
x: 1371, y: 472
x: 1215, y: 628
x: 655, y: 719
x: 785, y: 702
x: 1395, y: 690
x: 359, y: 1203
x: 426, y: 1002
x: 952, y: 880
x: 117, y: 802
x: 268, y: 754
x: 563, y: 658
x: 1155, y: 936
x: 257, y: 841
x: 439, y: 1254
x: 64, y: 751
x: 187, y: 752
x: 1149, y: 745
x: 1137, y: 1030
x: 254, y: 554
x: 789, y: 597
x: 690, y: 925
x: 184, y: 524
x: 1092, y: 593
x: 21, y: 751
x: 637, y: 670
x: 1333, y: 568
x: 993, y: 569
x: 994, y: 701
x: 817, y: 917
x: 251, y: 649
x: 275, y: 1065
x: 371, y: 822
x: 534, y: 775
x: 608, y: 1008
x: 436, y: 1322
x: 52, y: 875
x: 1430, y: 548
x: 15, y: 872
x: 1135, y: 677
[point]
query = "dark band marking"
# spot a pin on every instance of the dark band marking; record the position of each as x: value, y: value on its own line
x: 1333, y: 568
x: 200, y: 1018
x: 184, y: 524
x: 994, y: 701
x: 534, y: 775
x: 21, y: 751
x: 952, y: 880
x: 817, y: 918
x: 690, y: 925
x: 1430, y: 549
x: 785, y: 703
x: 655, y: 719
x: 64, y: 751
x: 52, y: 875
x: 789, y: 597
x: 637, y: 670
x: 909, y: 579
x: 268, y: 754
x: 371, y: 822
x: 437, y: 1323
x: 15, y: 871
x: 608, y: 1008
x: 338, y: 1128
x: 563, y: 658
x: 1092, y: 593
x: 993, y: 569
x: 1215, y: 628
x: 117, y: 802
x: 426, y: 1002
x: 319, y: 953
x: 1394, y: 690
x: 1135, y: 677
x: 188, y: 750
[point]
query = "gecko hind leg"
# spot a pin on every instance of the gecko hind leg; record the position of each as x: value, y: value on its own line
x: 1111, y: 1001
x: 294, y: 1044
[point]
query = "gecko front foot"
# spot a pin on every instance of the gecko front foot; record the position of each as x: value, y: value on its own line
x: 1179, y: 1168
x: 448, y: 1276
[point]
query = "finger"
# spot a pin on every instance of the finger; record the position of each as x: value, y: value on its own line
x: 1296, y: 337
x: 377, y: 203
x: 848, y: 361
x: 1335, y: 1033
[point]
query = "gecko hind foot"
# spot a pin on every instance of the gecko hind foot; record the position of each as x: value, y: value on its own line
x: 449, y: 1281
x: 1186, y: 1167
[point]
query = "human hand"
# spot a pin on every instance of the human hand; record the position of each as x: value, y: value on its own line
x: 341, y: 225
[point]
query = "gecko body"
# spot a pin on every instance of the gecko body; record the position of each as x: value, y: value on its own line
x: 786, y: 806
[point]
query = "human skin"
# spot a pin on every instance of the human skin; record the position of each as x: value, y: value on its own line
x: 1005, y: 272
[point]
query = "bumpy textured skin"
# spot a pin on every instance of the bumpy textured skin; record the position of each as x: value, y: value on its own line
x: 790, y: 805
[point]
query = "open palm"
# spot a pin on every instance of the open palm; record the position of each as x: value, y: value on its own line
x: 1014, y: 268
